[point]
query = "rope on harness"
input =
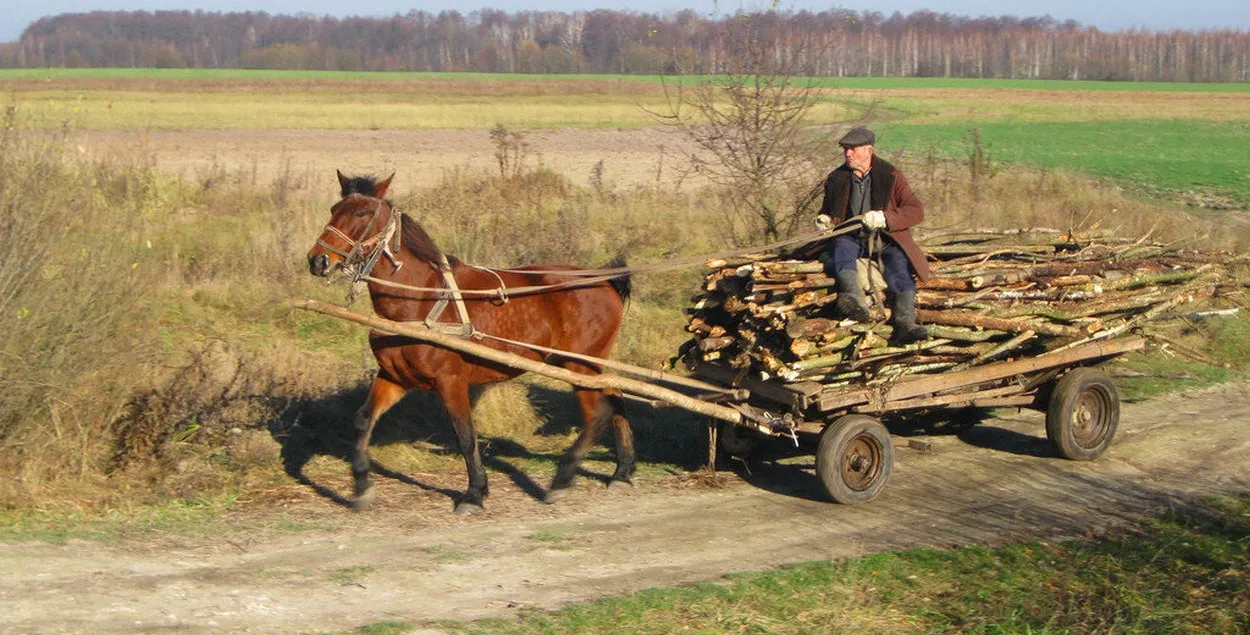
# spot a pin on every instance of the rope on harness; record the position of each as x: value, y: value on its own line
x: 591, y: 277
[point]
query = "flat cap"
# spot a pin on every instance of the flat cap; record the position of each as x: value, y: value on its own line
x: 858, y: 137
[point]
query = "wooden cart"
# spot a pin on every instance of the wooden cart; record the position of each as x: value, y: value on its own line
x: 854, y: 456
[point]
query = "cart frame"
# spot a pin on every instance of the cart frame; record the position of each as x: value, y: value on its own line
x: 854, y: 457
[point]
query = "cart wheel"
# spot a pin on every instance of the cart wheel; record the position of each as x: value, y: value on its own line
x: 1083, y: 413
x: 736, y: 440
x: 854, y: 458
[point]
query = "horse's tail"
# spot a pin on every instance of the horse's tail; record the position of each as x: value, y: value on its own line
x: 621, y: 283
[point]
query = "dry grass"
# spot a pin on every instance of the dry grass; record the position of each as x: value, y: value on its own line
x: 479, y: 103
x: 73, y: 259
x: 1038, y: 198
x: 365, y: 109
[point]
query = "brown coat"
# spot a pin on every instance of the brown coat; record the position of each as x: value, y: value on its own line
x: 890, y: 193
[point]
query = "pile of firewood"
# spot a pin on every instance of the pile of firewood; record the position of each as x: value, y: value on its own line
x: 994, y: 295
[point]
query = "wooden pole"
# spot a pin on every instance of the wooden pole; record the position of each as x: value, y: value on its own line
x: 598, y: 382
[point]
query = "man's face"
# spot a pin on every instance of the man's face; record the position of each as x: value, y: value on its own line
x: 858, y: 157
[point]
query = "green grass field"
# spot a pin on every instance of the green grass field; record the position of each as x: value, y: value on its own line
x: 1157, y: 158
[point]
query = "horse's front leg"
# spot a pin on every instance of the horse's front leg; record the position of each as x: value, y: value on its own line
x: 382, y: 395
x: 455, y: 395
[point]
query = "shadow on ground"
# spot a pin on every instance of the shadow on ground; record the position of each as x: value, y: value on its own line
x: 783, y: 467
x: 322, y: 426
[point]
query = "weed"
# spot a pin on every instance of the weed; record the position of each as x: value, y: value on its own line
x: 551, y: 539
x: 349, y: 575
x: 387, y: 627
x: 444, y: 554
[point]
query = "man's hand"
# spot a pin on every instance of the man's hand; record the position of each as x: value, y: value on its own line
x: 823, y: 223
x: 874, y: 219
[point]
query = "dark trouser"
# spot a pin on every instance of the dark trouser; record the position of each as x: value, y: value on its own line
x: 849, y: 247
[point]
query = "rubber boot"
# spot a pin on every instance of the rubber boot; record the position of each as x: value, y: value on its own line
x: 851, y: 303
x: 906, y: 331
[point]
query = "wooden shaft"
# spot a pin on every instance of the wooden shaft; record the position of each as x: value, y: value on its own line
x: 597, y: 382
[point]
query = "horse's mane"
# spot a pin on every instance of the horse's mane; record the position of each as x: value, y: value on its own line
x: 413, y: 236
x: 366, y: 185
x: 419, y: 243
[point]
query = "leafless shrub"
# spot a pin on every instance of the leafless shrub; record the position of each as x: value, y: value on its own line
x: 749, y: 123
x: 511, y: 150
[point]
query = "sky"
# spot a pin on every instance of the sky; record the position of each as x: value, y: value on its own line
x: 1105, y: 14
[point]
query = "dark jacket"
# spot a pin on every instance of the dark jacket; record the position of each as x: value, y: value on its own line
x: 890, y: 193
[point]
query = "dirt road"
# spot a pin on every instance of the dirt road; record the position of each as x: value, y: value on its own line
x: 991, y: 483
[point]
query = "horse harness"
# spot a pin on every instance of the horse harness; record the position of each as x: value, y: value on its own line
x: 452, y: 294
x: 381, y: 244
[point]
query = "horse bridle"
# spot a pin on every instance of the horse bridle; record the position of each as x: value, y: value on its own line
x: 379, y: 242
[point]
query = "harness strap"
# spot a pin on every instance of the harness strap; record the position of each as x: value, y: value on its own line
x: 451, y: 293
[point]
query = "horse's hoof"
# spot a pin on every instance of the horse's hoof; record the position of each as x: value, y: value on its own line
x: 466, y: 508
x: 555, y: 495
x: 616, y: 485
x: 364, y: 501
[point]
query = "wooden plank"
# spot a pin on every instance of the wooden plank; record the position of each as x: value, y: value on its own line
x: 1000, y: 402
x: 947, y: 400
x: 845, y: 398
x: 795, y: 397
x: 598, y: 382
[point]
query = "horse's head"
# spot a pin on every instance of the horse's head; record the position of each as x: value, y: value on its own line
x: 360, y: 225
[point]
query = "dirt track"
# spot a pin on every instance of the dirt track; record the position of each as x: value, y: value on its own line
x: 994, y: 482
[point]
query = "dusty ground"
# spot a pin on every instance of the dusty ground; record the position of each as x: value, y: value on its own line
x: 994, y: 482
x: 418, y: 157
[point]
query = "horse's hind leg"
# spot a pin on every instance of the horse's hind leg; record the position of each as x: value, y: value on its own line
x: 456, y: 399
x: 625, y: 456
x: 382, y: 395
x: 596, y: 411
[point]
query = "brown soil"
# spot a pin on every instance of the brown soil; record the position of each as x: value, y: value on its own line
x: 418, y: 157
x: 995, y: 482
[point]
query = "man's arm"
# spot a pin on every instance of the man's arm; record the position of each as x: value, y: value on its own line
x: 826, y: 203
x: 907, y: 210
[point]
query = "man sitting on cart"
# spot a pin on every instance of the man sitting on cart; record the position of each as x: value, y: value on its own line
x: 868, y: 187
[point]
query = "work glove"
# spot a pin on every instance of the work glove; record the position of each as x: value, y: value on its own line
x: 823, y: 223
x: 874, y: 219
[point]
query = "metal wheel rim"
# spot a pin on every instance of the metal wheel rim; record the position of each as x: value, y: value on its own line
x: 1091, y: 417
x: 861, y: 462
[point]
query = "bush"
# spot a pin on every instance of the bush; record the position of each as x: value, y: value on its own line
x: 75, y: 272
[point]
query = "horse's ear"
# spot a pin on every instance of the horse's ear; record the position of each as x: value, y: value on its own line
x: 342, y: 182
x: 383, y: 185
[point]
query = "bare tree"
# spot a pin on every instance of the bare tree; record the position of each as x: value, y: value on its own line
x: 749, y: 122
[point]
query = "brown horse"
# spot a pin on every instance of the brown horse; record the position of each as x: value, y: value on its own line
x: 580, y: 318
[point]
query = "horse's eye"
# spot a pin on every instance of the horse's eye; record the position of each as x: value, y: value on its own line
x: 363, y: 213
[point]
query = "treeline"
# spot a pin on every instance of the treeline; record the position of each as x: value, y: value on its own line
x: 837, y: 43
